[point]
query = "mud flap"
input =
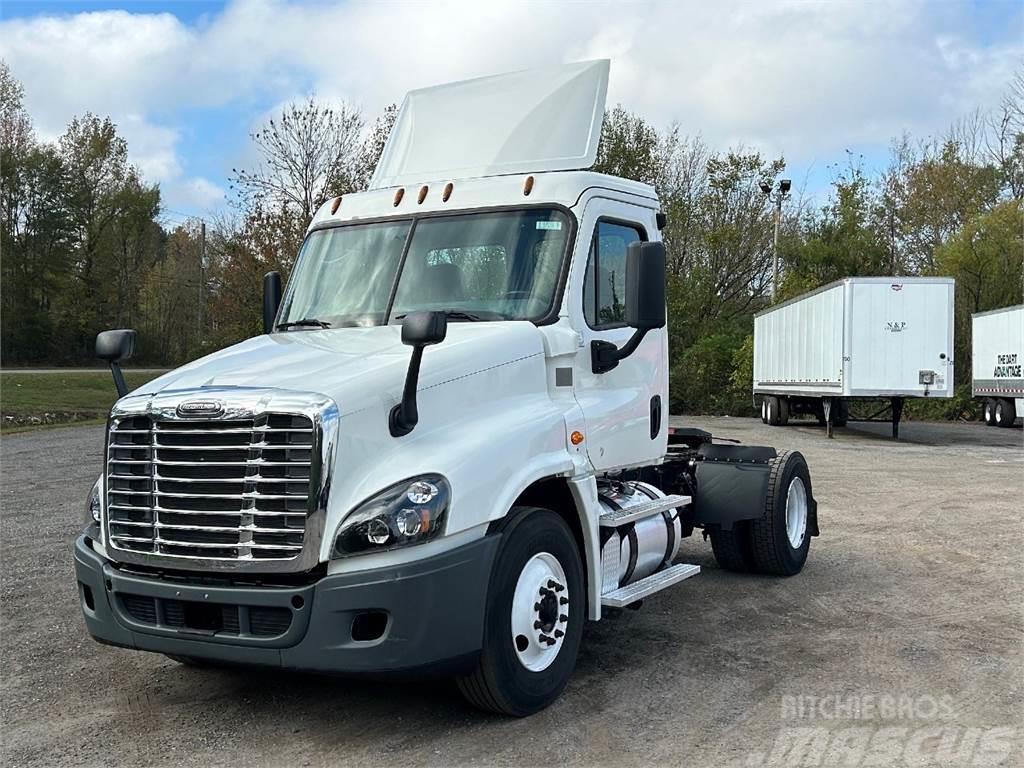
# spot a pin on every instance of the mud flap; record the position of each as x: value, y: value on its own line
x: 732, y: 486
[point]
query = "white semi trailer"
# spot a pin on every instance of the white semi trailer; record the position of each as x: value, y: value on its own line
x: 451, y: 446
x: 860, y: 338
x: 997, y: 357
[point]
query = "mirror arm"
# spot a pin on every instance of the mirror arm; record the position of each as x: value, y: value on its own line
x: 119, y: 382
x: 605, y: 356
x: 405, y: 415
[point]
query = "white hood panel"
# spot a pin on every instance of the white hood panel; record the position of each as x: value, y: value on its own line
x: 355, y: 367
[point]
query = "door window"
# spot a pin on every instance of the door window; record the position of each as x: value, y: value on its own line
x: 604, y: 287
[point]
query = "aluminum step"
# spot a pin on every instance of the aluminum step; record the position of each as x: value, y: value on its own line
x: 656, y: 582
x: 616, y: 517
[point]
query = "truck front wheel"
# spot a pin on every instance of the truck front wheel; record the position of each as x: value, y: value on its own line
x: 534, y: 616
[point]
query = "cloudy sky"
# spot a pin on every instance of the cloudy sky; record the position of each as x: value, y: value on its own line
x: 187, y: 81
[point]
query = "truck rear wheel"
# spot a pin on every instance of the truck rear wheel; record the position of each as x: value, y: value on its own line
x: 733, y: 550
x: 1005, y: 413
x: 781, y: 539
x: 534, y: 620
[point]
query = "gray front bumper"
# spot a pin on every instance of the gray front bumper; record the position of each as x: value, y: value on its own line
x: 435, y: 611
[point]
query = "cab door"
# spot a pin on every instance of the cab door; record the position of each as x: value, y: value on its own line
x: 625, y: 409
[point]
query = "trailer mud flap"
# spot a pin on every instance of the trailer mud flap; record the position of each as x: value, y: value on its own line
x: 732, y: 484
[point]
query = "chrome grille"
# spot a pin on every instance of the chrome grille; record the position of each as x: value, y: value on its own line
x: 223, y: 489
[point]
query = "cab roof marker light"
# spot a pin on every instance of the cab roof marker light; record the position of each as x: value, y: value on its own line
x: 423, y: 194
x: 447, y: 192
x: 528, y: 186
x: 399, y: 194
x: 335, y: 205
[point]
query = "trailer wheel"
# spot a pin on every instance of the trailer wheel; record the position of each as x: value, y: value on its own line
x: 1005, y: 413
x: 782, y: 538
x: 534, y: 620
x: 733, y: 549
x: 764, y: 410
x: 989, y: 416
x: 777, y: 411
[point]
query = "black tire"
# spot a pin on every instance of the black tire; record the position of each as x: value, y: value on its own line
x: 988, y: 414
x: 501, y: 683
x: 733, y: 549
x: 772, y: 410
x: 772, y: 551
x: 783, y: 411
x: 1005, y: 413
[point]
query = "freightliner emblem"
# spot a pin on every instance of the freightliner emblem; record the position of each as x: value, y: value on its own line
x: 201, y: 408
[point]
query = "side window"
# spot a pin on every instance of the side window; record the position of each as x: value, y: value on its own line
x: 604, y: 287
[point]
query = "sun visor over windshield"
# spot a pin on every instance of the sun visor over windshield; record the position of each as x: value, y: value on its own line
x: 525, y: 122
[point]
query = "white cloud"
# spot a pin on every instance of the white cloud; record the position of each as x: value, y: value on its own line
x: 804, y: 79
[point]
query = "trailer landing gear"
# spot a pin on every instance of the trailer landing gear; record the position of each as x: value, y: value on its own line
x: 897, y: 414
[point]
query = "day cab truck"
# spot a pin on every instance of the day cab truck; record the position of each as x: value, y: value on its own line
x: 997, y: 364
x: 451, y: 446
x: 860, y: 338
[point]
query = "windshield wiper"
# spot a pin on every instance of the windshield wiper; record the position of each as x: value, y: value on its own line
x: 459, y: 314
x: 306, y: 322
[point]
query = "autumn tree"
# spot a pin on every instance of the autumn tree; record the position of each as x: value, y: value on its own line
x: 307, y: 154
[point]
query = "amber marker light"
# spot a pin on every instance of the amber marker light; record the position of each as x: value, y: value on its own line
x: 336, y: 205
x: 399, y: 194
x: 576, y: 438
x: 423, y: 194
x: 528, y: 186
x: 447, y: 192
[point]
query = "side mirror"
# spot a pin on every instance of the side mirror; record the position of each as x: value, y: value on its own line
x: 645, y: 286
x: 645, y: 304
x: 271, y: 299
x: 115, y: 347
x: 419, y: 330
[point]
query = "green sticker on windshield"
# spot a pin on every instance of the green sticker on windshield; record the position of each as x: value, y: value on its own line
x: 549, y: 225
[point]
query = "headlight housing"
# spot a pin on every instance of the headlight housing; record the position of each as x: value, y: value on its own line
x: 94, y: 500
x: 410, y: 512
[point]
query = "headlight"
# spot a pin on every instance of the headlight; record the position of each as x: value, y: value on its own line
x: 409, y: 512
x: 94, y: 500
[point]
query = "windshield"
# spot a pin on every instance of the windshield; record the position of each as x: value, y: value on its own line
x: 478, y: 266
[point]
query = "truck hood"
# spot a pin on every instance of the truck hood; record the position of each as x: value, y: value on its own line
x: 355, y: 367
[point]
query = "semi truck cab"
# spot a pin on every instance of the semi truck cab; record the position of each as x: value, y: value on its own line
x: 450, y: 448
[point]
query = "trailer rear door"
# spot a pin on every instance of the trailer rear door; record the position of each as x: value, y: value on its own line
x: 899, y: 334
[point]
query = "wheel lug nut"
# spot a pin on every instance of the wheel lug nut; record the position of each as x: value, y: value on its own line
x: 563, y: 601
x: 551, y: 584
x: 536, y: 606
x: 538, y: 625
x: 546, y: 639
x: 563, y: 618
x: 558, y: 587
x: 559, y: 633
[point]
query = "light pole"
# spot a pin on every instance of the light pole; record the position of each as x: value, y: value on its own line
x: 780, y: 193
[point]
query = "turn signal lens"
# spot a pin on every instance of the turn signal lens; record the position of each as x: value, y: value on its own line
x: 576, y: 438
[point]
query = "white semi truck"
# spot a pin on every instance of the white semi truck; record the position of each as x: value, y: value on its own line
x: 887, y: 338
x: 997, y: 357
x: 451, y: 446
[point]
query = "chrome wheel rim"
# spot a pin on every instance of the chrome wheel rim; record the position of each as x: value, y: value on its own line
x: 540, y: 612
x: 796, y: 512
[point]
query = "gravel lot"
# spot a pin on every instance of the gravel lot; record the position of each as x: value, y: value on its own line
x: 903, y: 633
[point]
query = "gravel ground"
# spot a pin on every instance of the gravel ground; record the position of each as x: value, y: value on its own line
x: 900, y: 643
